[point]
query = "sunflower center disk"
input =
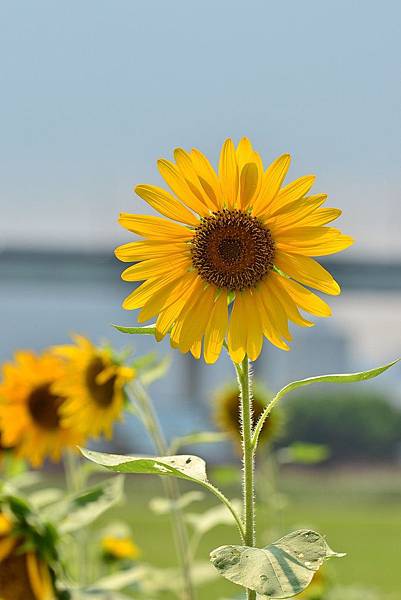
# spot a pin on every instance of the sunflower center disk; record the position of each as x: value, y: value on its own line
x: 233, y: 250
x: 101, y: 393
x: 44, y: 407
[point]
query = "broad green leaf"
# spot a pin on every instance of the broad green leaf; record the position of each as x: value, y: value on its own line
x: 281, y: 570
x: 146, y: 330
x: 182, y: 466
x: 85, y: 507
x: 162, y: 506
x: 197, y: 437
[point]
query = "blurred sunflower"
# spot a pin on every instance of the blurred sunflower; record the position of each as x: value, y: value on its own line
x: 93, y: 383
x: 227, y: 413
x: 316, y: 590
x: 233, y: 237
x: 30, y: 408
x: 23, y: 574
x: 119, y: 548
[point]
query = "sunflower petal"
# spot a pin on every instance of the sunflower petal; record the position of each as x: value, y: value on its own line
x: 248, y: 184
x: 174, y: 179
x: 166, y: 204
x: 271, y: 183
x: 307, y: 271
x: 237, y: 331
x: 154, y: 267
x: 306, y: 299
x: 181, y: 296
x: 312, y: 241
x: 288, y: 303
x: 196, y: 349
x: 146, y: 290
x: 295, y: 211
x: 267, y: 321
x: 157, y: 301
x: 293, y: 191
x: 275, y: 308
x: 186, y: 167
x: 207, y: 177
x: 195, y: 321
x: 254, y: 340
x: 155, y: 228
x: 143, y: 250
x: 216, y: 329
x: 228, y: 174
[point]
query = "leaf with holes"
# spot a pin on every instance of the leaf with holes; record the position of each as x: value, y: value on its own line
x: 183, y: 466
x: 281, y: 570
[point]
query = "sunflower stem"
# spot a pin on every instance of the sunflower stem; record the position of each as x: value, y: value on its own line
x: 75, y: 482
x: 152, y: 424
x: 248, y: 455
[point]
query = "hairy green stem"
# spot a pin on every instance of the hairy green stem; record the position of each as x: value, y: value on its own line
x: 154, y: 429
x: 248, y: 455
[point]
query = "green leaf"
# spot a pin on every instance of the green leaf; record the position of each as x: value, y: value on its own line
x: 303, y: 453
x: 281, y: 570
x: 198, y: 437
x: 163, y: 506
x: 337, y: 378
x: 146, y: 330
x: 182, y: 466
x: 42, y: 498
x: 85, y: 507
x: 218, y: 515
x: 117, y: 581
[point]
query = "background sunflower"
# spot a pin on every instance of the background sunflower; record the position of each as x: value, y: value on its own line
x: 93, y: 382
x: 24, y: 574
x: 226, y: 407
x: 30, y: 419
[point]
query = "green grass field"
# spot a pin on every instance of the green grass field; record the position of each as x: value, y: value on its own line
x: 358, y: 510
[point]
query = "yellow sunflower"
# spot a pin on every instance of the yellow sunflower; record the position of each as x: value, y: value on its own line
x: 93, y: 383
x: 23, y: 574
x: 233, y: 255
x: 120, y: 548
x: 30, y: 408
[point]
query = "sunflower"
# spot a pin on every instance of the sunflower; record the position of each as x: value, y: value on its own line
x: 30, y: 408
x: 227, y: 417
x: 234, y: 254
x: 23, y: 574
x: 316, y: 589
x: 119, y: 548
x: 93, y: 383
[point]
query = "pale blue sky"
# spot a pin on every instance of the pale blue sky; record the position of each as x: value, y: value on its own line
x: 94, y: 91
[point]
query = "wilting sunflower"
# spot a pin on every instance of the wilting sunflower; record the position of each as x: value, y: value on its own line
x: 30, y: 408
x: 93, y: 383
x: 233, y: 255
x: 23, y: 574
x: 227, y: 413
x: 119, y: 548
